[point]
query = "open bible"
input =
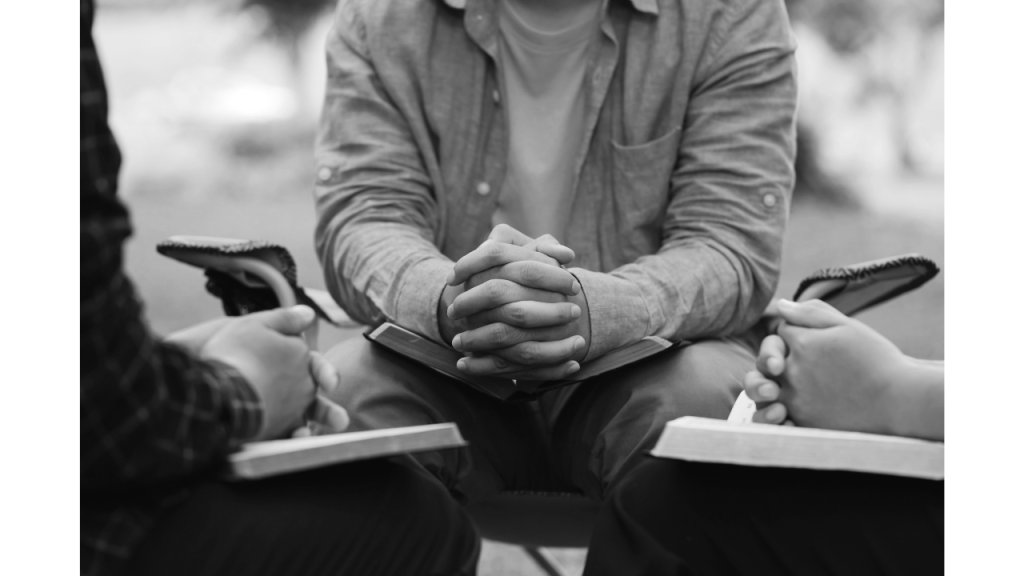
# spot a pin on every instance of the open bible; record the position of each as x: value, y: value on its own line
x: 443, y: 359
x: 708, y: 440
x: 273, y: 457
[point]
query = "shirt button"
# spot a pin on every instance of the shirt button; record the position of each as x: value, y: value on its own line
x: 483, y: 188
x: 324, y: 174
x: 497, y: 96
x: 769, y: 200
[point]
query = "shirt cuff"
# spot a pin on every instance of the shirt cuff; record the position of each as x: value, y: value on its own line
x: 618, y: 313
x: 421, y: 290
x: 240, y: 405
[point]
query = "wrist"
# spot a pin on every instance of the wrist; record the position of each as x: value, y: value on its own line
x: 915, y: 400
x: 243, y: 409
x: 447, y: 327
x: 582, y: 323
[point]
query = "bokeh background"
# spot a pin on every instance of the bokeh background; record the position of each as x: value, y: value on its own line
x: 215, y: 103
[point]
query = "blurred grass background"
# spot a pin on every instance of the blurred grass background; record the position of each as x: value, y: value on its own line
x: 214, y: 103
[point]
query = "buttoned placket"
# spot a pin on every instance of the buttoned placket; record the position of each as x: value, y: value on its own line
x: 489, y: 174
x: 603, y: 70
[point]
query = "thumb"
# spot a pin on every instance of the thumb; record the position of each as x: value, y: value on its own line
x: 289, y: 321
x: 508, y: 235
x: 810, y: 314
x: 326, y: 413
x: 548, y: 245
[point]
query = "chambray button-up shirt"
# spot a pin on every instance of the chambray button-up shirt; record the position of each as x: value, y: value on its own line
x: 682, y: 182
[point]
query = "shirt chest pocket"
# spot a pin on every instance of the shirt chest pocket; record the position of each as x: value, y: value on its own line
x: 641, y: 177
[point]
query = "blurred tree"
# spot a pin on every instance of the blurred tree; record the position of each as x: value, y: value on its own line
x: 286, y: 23
x: 887, y: 41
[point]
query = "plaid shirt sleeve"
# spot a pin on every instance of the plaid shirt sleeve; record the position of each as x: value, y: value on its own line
x: 150, y: 412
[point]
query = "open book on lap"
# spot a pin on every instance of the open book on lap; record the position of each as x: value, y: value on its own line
x: 443, y: 359
x: 274, y: 457
x: 718, y: 441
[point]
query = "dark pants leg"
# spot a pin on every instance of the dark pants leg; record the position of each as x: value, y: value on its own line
x: 674, y: 517
x: 507, y: 445
x: 601, y: 428
x: 576, y: 438
x: 374, y: 517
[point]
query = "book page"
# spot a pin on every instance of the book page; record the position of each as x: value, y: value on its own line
x: 710, y: 440
x: 269, y: 458
x: 285, y: 445
x: 743, y: 410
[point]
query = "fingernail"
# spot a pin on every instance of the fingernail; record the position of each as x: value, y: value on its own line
x: 575, y: 312
x: 450, y: 310
x: 775, y: 365
x: 774, y: 412
x: 768, y: 391
x: 461, y: 364
x: 578, y: 344
x: 575, y: 287
x: 457, y: 342
x: 450, y: 278
x: 304, y: 312
x: 786, y: 303
x: 574, y: 367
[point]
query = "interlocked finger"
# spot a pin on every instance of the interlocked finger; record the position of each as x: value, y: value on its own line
x: 760, y: 389
x: 772, y: 414
x: 771, y: 360
x: 494, y: 293
x: 531, y: 274
x: 491, y: 254
x: 491, y: 365
x: 528, y: 314
x: 549, y: 245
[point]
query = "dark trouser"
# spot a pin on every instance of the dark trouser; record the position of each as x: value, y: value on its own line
x: 674, y: 517
x: 365, y: 518
x: 578, y: 438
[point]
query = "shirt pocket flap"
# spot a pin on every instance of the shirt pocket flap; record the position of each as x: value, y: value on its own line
x: 641, y: 177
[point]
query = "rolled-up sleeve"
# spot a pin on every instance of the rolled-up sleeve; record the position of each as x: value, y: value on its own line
x: 718, y: 265
x: 378, y: 217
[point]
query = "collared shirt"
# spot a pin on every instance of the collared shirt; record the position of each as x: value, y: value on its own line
x: 683, y: 177
x: 152, y: 416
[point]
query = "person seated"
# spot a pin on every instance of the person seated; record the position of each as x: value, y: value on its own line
x: 536, y: 184
x: 825, y: 370
x: 158, y: 418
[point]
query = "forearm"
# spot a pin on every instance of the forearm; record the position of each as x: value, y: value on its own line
x: 384, y: 271
x: 150, y: 412
x: 962, y: 401
x: 379, y: 219
x: 686, y: 291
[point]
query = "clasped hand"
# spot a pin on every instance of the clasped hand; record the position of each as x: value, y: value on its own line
x: 825, y: 370
x: 514, y: 310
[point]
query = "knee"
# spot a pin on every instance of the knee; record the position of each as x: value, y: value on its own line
x: 352, y: 356
x: 704, y: 379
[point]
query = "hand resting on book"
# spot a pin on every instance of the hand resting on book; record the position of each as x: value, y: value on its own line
x: 823, y: 369
x: 266, y: 348
x: 826, y: 370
